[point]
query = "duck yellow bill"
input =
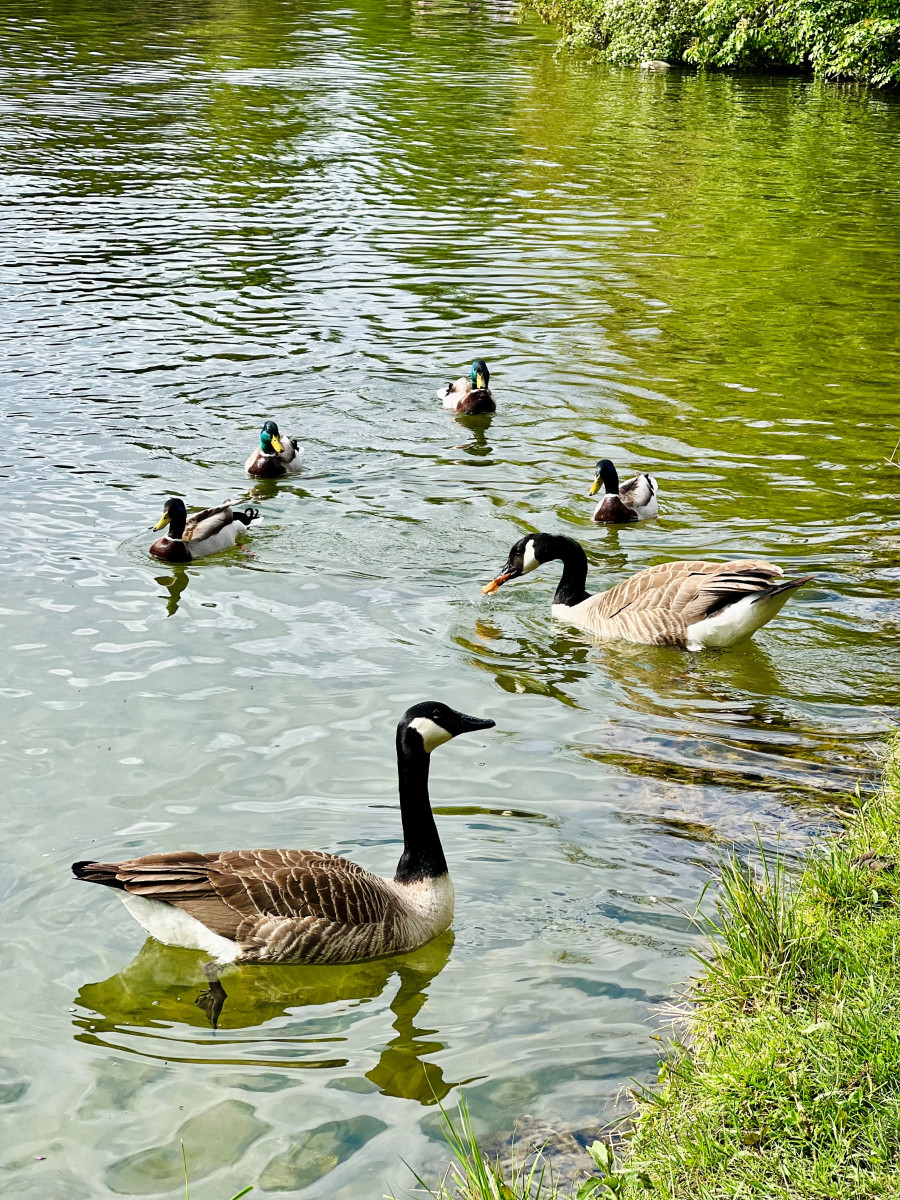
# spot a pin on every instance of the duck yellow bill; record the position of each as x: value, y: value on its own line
x: 162, y: 522
x: 595, y: 487
x: 494, y: 584
x: 480, y: 381
x: 276, y: 442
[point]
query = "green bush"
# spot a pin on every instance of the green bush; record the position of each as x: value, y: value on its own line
x: 850, y: 39
x: 857, y: 40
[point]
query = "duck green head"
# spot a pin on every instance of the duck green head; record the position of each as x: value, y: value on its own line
x: 269, y: 440
x: 607, y: 477
x: 174, y: 515
x: 480, y: 375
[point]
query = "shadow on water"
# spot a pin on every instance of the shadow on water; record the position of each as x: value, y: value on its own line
x: 150, y: 1009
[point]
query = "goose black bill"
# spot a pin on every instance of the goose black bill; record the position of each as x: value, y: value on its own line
x: 470, y: 724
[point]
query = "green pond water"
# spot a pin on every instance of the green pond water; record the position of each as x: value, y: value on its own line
x: 213, y: 213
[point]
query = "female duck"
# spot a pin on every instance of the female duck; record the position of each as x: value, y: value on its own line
x: 687, y: 604
x: 634, y: 500
x: 303, y: 906
x: 471, y: 395
x: 277, y: 455
x: 203, y: 533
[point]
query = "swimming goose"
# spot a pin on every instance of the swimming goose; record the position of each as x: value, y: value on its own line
x: 277, y: 454
x: 687, y: 604
x: 470, y: 395
x: 631, y: 501
x: 303, y: 906
x: 203, y: 533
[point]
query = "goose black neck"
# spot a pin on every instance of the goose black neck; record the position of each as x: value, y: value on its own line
x: 423, y: 856
x: 571, y: 587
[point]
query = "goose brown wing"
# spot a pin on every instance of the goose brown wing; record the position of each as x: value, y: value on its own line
x: 207, y: 523
x: 726, y: 583
x: 299, y: 884
x: 232, y: 891
x: 677, y: 586
x: 656, y: 606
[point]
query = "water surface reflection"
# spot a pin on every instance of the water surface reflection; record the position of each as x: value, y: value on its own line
x: 148, y: 1007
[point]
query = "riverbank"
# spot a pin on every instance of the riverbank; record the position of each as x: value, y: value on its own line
x: 791, y: 1086
x: 834, y: 39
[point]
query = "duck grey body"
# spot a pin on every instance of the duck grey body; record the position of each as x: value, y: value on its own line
x: 303, y: 906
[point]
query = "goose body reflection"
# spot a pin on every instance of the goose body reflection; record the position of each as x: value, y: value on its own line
x: 153, y: 995
x: 303, y: 906
x: 690, y: 604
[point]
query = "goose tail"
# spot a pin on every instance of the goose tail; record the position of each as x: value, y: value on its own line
x: 786, y: 585
x: 98, y: 872
x: 740, y: 618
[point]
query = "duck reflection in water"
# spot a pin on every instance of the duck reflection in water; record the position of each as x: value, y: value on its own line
x: 269, y: 489
x: 477, y: 426
x: 174, y: 585
x: 158, y: 990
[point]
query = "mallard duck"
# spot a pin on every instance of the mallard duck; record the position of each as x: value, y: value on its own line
x: 303, y: 906
x: 203, y: 533
x: 277, y: 454
x: 469, y: 395
x: 631, y: 501
x: 687, y: 604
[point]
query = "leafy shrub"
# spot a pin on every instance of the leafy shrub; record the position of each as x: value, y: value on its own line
x: 851, y: 39
x: 858, y: 39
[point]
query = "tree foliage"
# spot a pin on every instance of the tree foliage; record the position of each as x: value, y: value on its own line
x: 850, y: 39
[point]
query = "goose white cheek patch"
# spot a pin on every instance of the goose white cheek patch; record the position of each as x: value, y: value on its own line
x: 529, y: 562
x: 433, y: 735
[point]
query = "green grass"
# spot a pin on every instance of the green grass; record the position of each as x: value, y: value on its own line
x: 474, y: 1176
x: 790, y: 1088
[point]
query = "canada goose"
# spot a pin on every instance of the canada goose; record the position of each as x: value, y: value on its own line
x: 470, y: 395
x: 203, y: 533
x: 631, y: 501
x: 688, y: 604
x: 303, y: 906
x: 277, y: 455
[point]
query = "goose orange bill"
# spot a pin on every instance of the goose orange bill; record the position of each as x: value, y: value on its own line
x: 495, y: 583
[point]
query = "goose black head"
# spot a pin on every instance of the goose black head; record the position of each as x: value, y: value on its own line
x: 479, y: 376
x: 174, y: 513
x: 527, y: 554
x: 269, y: 438
x: 433, y: 723
x: 608, y: 476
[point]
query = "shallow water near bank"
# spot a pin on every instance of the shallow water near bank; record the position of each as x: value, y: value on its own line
x: 212, y: 215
